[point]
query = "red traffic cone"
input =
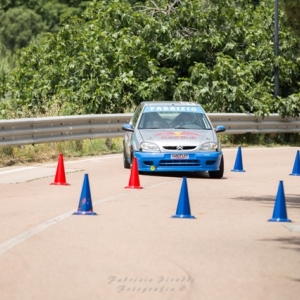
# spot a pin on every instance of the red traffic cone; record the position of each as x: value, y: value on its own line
x: 134, y: 181
x: 60, y: 176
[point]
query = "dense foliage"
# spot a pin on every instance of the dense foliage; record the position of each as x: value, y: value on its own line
x: 219, y: 53
x: 18, y: 35
x: 292, y: 12
x: 22, y: 21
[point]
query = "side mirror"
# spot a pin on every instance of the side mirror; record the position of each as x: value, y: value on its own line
x: 220, y: 128
x: 128, y: 127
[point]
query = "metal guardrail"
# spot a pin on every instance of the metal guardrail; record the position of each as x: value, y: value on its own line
x: 17, y: 132
x: 242, y: 123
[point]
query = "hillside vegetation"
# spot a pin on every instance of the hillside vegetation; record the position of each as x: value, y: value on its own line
x: 60, y: 57
x: 114, y: 54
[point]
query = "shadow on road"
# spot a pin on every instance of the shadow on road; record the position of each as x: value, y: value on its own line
x: 291, y: 200
x: 202, y: 175
x: 288, y: 243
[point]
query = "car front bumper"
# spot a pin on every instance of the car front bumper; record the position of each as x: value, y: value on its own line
x: 163, y: 162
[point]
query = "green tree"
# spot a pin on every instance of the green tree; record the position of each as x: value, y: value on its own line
x: 292, y: 10
x: 32, y: 14
x: 18, y: 26
x: 219, y: 53
x: 52, y: 11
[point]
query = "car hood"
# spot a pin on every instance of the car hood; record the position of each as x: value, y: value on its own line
x: 182, y: 136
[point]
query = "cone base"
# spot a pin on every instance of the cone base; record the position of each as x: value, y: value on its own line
x: 59, y: 183
x: 133, y: 187
x: 238, y: 171
x: 89, y: 213
x: 279, y: 220
x: 184, y: 216
x: 294, y: 174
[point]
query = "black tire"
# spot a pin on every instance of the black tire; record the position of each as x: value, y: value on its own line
x: 125, y: 161
x: 218, y: 174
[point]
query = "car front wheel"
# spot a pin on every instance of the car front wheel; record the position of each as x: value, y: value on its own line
x: 220, y: 172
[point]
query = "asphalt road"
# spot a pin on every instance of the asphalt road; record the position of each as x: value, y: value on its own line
x: 134, y: 249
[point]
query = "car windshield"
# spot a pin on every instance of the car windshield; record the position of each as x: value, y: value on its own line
x: 174, y: 119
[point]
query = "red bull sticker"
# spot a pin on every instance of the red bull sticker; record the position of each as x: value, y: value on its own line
x: 177, y: 135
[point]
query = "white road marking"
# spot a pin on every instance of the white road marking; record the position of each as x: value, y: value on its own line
x: 93, y: 159
x: 31, y: 232
x: 293, y: 227
x: 16, y: 170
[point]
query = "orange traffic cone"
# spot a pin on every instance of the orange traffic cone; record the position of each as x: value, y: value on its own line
x: 60, y: 176
x: 134, y: 181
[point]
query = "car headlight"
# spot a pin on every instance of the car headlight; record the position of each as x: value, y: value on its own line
x: 149, y: 147
x: 209, y: 146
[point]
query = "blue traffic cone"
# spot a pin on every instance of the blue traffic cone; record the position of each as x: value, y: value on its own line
x: 238, y: 165
x: 279, y: 213
x: 183, y: 206
x: 296, y: 169
x: 85, y: 206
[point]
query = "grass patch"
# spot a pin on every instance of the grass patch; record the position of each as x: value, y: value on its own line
x: 39, y: 153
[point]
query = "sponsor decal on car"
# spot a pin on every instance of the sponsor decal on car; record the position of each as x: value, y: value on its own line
x: 177, y: 135
x: 173, y: 108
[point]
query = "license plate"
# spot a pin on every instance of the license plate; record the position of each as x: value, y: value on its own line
x: 179, y: 156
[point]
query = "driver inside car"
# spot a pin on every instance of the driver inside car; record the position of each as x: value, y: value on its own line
x: 155, y: 121
x: 183, y: 119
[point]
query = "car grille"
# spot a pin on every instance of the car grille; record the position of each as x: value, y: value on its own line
x: 179, y: 163
x: 183, y: 148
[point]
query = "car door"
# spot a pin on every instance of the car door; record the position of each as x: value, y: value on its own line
x: 130, y: 139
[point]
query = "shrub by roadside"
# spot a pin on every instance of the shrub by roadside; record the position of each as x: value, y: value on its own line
x: 39, y: 153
